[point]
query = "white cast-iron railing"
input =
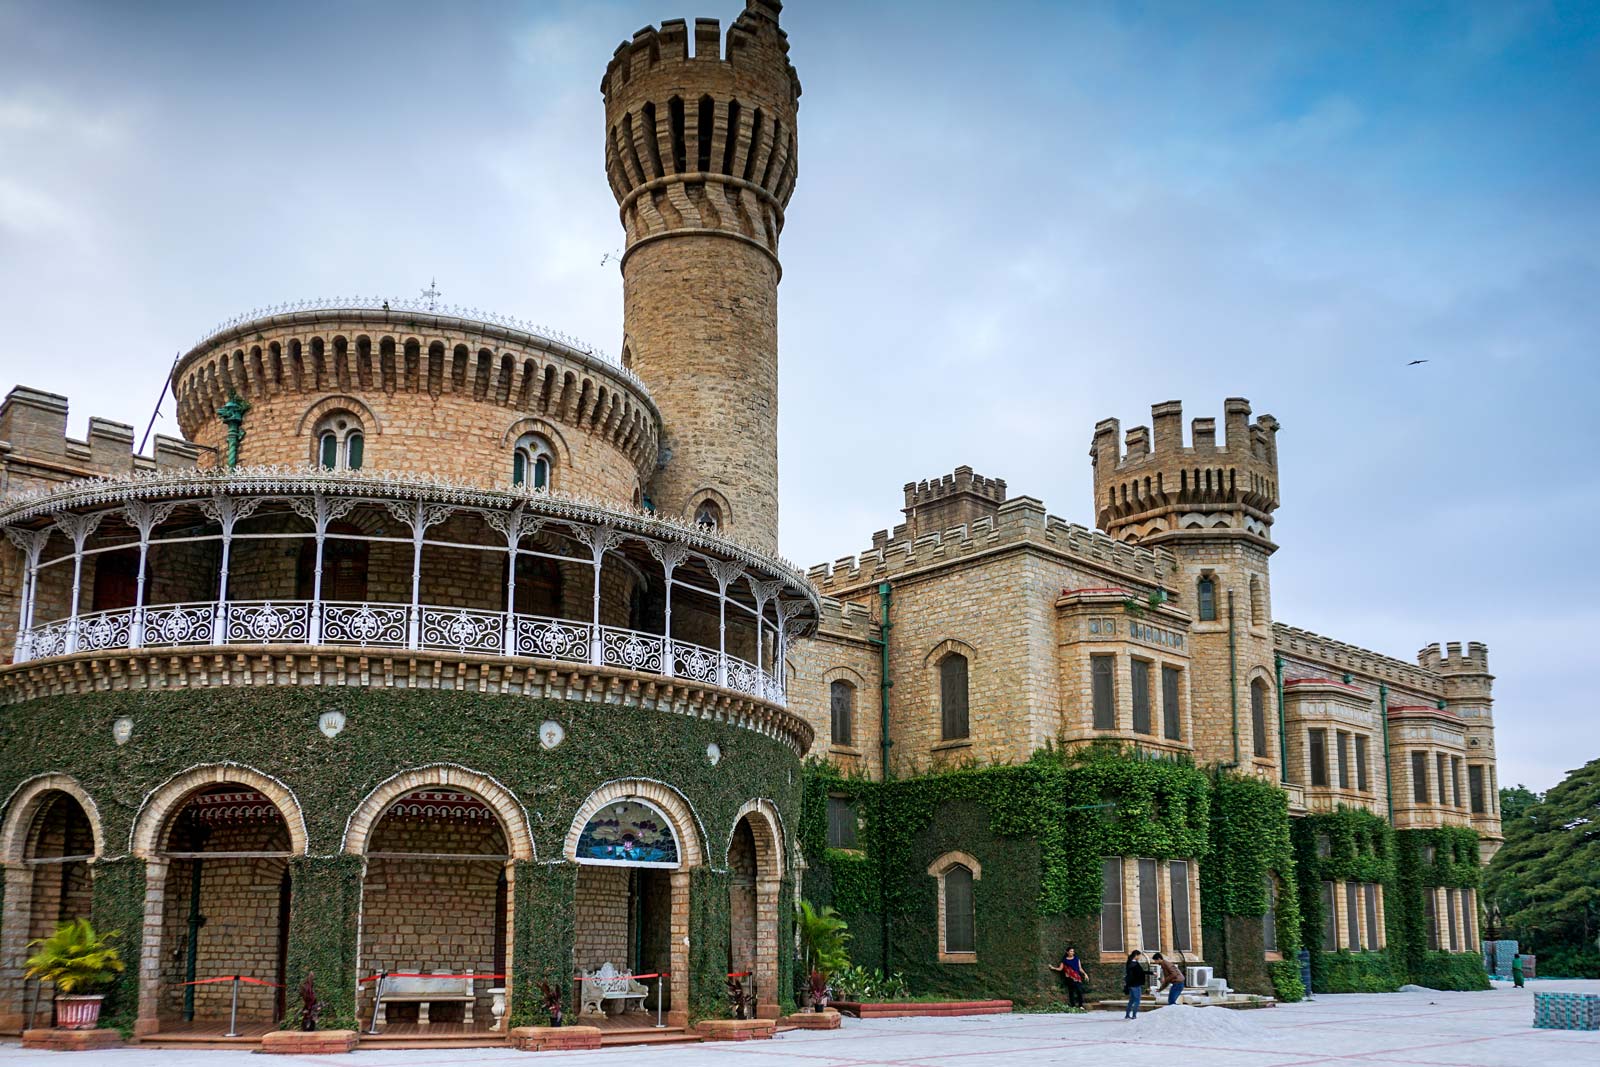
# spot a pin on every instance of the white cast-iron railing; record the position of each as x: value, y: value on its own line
x: 398, y: 626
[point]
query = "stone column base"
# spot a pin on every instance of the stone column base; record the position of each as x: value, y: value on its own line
x: 680, y: 1019
x: 71, y: 1040
x: 736, y: 1029
x: 144, y: 1026
x: 548, y: 1038
x: 309, y: 1042
x: 768, y: 1010
x: 827, y: 1019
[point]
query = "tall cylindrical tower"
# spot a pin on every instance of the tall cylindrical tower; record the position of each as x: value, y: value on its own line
x: 700, y: 152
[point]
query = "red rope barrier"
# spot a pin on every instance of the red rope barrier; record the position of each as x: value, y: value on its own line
x: 232, y: 978
x: 418, y: 974
x: 741, y: 974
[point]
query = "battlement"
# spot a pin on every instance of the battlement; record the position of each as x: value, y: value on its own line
x: 846, y: 620
x: 1475, y: 660
x: 1314, y: 649
x: 1020, y: 521
x: 35, y: 448
x: 957, y: 499
x: 1158, y: 487
x: 703, y: 142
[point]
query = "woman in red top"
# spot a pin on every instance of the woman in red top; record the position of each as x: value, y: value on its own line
x: 1071, y: 968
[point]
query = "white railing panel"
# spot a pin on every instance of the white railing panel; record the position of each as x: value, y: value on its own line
x: 463, y: 630
x: 634, y: 650
x: 105, y: 629
x: 695, y: 663
x: 383, y: 625
x: 544, y: 638
x: 269, y: 622
x: 179, y: 624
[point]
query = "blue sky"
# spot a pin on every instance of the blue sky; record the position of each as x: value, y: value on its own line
x: 1012, y: 220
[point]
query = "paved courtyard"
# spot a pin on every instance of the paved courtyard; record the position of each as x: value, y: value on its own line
x: 1427, y: 1029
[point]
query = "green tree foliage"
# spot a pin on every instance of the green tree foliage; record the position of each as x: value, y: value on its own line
x: 1515, y: 802
x: 1545, y: 880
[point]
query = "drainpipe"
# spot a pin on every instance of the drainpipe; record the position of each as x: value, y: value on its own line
x: 885, y: 683
x: 1383, y: 719
x: 1283, y: 737
x: 1233, y: 678
x: 196, y: 920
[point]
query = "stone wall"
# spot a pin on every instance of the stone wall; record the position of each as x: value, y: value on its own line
x: 603, y: 920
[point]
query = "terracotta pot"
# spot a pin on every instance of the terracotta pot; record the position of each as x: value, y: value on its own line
x: 78, y: 1012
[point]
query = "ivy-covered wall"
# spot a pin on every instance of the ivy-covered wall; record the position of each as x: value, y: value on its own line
x: 1251, y: 844
x: 1039, y: 830
x: 274, y: 730
x: 1455, y: 865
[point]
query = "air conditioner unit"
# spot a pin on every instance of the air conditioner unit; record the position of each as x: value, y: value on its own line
x: 1199, y: 977
x: 1217, y: 987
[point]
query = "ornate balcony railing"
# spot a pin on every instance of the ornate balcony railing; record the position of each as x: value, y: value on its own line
x: 396, y: 626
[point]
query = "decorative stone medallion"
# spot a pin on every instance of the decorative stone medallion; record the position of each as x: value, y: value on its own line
x: 122, y: 730
x: 331, y: 723
x: 551, y: 733
x: 714, y: 753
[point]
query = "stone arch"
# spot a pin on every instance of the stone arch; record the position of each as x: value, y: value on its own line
x: 950, y: 859
x: 167, y: 798
x: 512, y: 815
x: 707, y: 495
x: 339, y: 402
x: 767, y: 826
x: 544, y: 428
x: 947, y: 646
x: 663, y: 797
x: 26, y: 800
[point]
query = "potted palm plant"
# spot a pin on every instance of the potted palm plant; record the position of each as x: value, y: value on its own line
x: 76, y: 960
x: 822, y: 953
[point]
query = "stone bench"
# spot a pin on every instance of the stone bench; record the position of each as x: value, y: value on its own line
x: 424, y: 992
x: 609, y: 984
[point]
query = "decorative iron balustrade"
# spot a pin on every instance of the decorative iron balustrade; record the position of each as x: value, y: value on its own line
x: 396, y: 626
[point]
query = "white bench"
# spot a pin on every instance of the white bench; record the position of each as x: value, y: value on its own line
x: 425, y: 991
x: 608, y: 983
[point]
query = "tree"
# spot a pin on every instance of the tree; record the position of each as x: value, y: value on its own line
x: 1545, y: 880
x: 1515, y: 802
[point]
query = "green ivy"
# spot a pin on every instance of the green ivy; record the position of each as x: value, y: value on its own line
x: 1250, y: 840
x: 118, y: 907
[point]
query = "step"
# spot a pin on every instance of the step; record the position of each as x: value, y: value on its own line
x: 671, y: 1035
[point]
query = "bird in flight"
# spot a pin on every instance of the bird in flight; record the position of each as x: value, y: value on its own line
x: 1414, y: 362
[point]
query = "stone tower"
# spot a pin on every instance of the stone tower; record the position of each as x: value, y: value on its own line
x: 1212, y: 506
x: 700, y: 152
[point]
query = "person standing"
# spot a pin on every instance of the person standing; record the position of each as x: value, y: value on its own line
x: 1071, y: 968
x: 1171, y: 978
x: 1516, y: 969
x: 1133, y: 978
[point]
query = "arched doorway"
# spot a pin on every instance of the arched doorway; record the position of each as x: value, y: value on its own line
x: 634, y: 842
x: 436, y: 898
x: 50, y: 842
x: 755, y: 869
x: 217, y: 842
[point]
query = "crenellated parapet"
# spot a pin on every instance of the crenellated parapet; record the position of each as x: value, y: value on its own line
x: 1340, y: 657
x: 847, y: 620
x: 703, y: 141
x: 35, y: 449
x: 957, y: 499
x: 1159, y: 488
x: 1019, y: 522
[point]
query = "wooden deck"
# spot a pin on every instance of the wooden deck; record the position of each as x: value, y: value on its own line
x: 632, y: 1028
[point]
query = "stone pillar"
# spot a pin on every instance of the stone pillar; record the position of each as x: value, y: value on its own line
x: 679, y: 988
x: 155, y: 899
x: 767, y: 948
x: 15, y: 920
x: 324, y: 910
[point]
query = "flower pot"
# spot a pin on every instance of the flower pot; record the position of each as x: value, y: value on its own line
x: 80, y: 1012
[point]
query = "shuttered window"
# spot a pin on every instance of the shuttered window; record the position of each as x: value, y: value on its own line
x: 1419, y: 777
x: 1352, y: 914
x: 1111, y: 905
x: 1103, y: 672
x: 953, y: 696
x: 1171, y: 716
x: 1362, y: 782
x: 1319, y: 756
x: 1182, y: 939
x: 842, y: 700
x: 841, y: 823
x: 1141, y: 697
x: 1374, y: 934
x: 1149, y: 906
x: 960, y: 929
x: 1330, y: 920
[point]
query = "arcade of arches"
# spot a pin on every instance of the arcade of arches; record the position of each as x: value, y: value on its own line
x: 440, y: 848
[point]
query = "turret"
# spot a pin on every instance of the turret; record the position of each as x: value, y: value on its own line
x: 955, y: 500
x: 701, y: 155
x: 1159, y: 489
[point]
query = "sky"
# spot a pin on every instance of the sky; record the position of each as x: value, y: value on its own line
x: 1012, y: 220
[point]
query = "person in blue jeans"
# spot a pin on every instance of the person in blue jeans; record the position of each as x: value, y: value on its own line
x: 1133, y: 977
x: 1171, y: 977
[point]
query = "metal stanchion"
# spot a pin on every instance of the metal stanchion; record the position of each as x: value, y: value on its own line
x: 659, y: 1024
x: 377, y: 1002
x: 233, y: 1012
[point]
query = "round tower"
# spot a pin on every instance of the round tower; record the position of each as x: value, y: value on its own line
x: 1212, y: 506
x: 700, y: 152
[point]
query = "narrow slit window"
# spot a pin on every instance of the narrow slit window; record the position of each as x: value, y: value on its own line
x: 1141, y: 697
x: 842, y: 699
x: 1182, y: 934
x: 1172, y: 719
x: 1258, y: 717
x: 1103, y: 671
x: 1318, y: 745
x: 960, y: 925
x: 1343, y: 740
x: 1149, y: 906
x: 953, y: 696
x: 1206, y: 599
x: 1419, y: 777
x: 1362, y: 782
x: 1111, y: 905
x: 1330, y: 920
x: 1374, y: 934
x: 1352, y: 914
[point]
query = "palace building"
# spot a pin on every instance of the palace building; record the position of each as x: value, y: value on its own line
x: 444, y: 644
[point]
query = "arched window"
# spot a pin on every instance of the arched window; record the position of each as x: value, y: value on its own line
x: 708, y: 513
x: 957, y: 920
x: 1258, y: 717
x: 1206, y: 599
x: 340, y: 442
x: 953, y: 697
x: 533, y: 462
x: 842, y: 701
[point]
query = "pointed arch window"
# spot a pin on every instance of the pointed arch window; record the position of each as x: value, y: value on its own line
x: 1206, y: 599
x: 708, y: 513
x: 842, y: 700
x: 533, y: 462
x: 953, y: 697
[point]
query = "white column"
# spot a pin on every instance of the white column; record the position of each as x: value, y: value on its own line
x: 419, y: 528
x: 321, y: 520
x: 669, y: 554
x: 78, y: 527
x: 145, y: 518
x: 596, y: 653
x: 31, y: 543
